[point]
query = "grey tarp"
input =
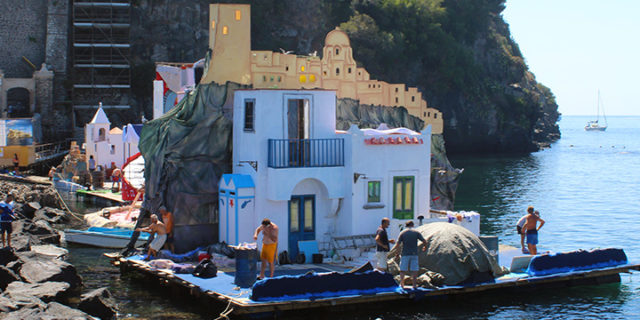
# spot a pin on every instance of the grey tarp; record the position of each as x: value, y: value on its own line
x: 453, y: 252
x: 186, y: 151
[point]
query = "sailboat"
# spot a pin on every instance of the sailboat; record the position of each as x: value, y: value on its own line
x: 595, y: 125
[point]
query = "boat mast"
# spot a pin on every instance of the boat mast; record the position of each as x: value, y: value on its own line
x: 598, y: 108
x: 603, y: 115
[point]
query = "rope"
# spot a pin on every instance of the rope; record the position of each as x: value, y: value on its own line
x: 65, y: 205
x: 225, y: 314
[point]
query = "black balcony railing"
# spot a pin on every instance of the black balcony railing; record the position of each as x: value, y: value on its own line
x: 306, y: 153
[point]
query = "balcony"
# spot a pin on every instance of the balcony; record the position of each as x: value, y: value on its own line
x: 306, y: 153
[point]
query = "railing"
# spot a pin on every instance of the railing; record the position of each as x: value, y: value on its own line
x: 306, y: 153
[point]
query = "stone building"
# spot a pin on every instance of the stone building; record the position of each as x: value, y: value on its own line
x: 233, y: 60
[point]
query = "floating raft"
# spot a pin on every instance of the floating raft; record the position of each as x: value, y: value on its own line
x: 101, y: 195
x: 221, y: 290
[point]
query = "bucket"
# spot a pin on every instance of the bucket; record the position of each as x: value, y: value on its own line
x: 246, y: 267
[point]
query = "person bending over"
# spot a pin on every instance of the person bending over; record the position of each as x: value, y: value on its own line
x: 160, y: 230
x: 269, y: 245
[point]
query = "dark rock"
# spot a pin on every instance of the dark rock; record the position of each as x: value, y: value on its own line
x: 30, y: 208
x: 52, y: 310
x: 41, y: 268
x: 39, y: 227
x: 7, y: 276
x: 27, y: 312
x: 22, y: 242
x: 46, y: 291
x: 7, y: 255
x: 51, y: 215
x: 15, y: 266
x: 58, y: 311
x: 99, y: 303
x: 28, y: 302
x: 44, y: 231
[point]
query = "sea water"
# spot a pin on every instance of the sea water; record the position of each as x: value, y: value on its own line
x: 586, y: 187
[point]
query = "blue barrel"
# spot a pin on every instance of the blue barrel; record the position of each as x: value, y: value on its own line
x: 246, y: 267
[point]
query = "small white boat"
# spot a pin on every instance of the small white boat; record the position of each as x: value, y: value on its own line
x: 594, y: 125
x: 104, y: 237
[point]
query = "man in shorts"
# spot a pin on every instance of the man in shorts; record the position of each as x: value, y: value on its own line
x: 269, y: 245
x: 382, y: 245
x: 531, y: 229
x: 519, y: 226
x: 409, y: 256
x: 160, y: 230
x: 6, y: 217
x: 167, y: 219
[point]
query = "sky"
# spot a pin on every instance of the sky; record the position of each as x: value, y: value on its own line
x: 577, y: 47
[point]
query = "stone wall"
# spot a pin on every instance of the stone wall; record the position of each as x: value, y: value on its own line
x: 23, y: 31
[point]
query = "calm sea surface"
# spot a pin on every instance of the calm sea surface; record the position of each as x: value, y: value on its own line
x: 586, y: 186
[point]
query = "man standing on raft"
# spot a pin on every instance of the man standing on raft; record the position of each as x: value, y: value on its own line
x: 269, y: 245
x: 531, y: 229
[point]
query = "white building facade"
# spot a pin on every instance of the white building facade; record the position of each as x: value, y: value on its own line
x: 108, y: 145
x: 293, y: 167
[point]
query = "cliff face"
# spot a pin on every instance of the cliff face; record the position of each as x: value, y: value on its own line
x: 459, y: 53
x: 508, y: 111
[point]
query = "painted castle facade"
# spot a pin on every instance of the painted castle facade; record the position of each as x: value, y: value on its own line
x: 233, y: 60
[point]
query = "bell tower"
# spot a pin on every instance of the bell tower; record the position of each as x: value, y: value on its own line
x: 230, y: 43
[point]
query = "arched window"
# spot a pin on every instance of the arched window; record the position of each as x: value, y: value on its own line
x: 337, y: 51
x: 337, y: 71
x: 101, y: 134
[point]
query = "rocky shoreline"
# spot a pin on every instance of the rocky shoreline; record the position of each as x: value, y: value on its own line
x: 35, y: 280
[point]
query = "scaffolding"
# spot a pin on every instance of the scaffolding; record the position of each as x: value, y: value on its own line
x: 100, y: 49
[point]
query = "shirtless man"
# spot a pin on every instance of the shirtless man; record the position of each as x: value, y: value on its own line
x: 160, y: 230
x: 519, y: 226
x: 531, y: 229
x: 167, y: 219
x: 269, y: 245
x: 115, y: 177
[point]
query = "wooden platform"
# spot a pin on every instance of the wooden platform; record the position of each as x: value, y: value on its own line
x: 102, y: 194
x: 240, y: 305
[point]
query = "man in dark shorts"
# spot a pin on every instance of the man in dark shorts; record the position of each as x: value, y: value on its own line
x: 519, y: 226
x: 531, y: 229
x: 409, y: 256
x: 382, y: 245
x: 6, y: 217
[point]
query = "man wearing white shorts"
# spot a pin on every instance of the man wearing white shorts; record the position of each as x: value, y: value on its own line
x: 160, y: 230
x: 409, y: 257
x: 382, y: 245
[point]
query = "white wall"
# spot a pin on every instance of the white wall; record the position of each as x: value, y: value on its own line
x: 383, y: 163
x: 101, y: 150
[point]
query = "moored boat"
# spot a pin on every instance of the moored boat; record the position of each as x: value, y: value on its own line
x: 594, y: 125
x: 104, y: 237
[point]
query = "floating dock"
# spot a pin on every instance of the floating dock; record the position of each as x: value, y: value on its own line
x: 102, y: 197
x: 221, y: 291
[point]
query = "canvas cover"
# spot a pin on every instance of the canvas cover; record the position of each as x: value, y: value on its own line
x: 453, y: 252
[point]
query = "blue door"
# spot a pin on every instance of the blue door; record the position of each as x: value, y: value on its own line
x: 302, y: 221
